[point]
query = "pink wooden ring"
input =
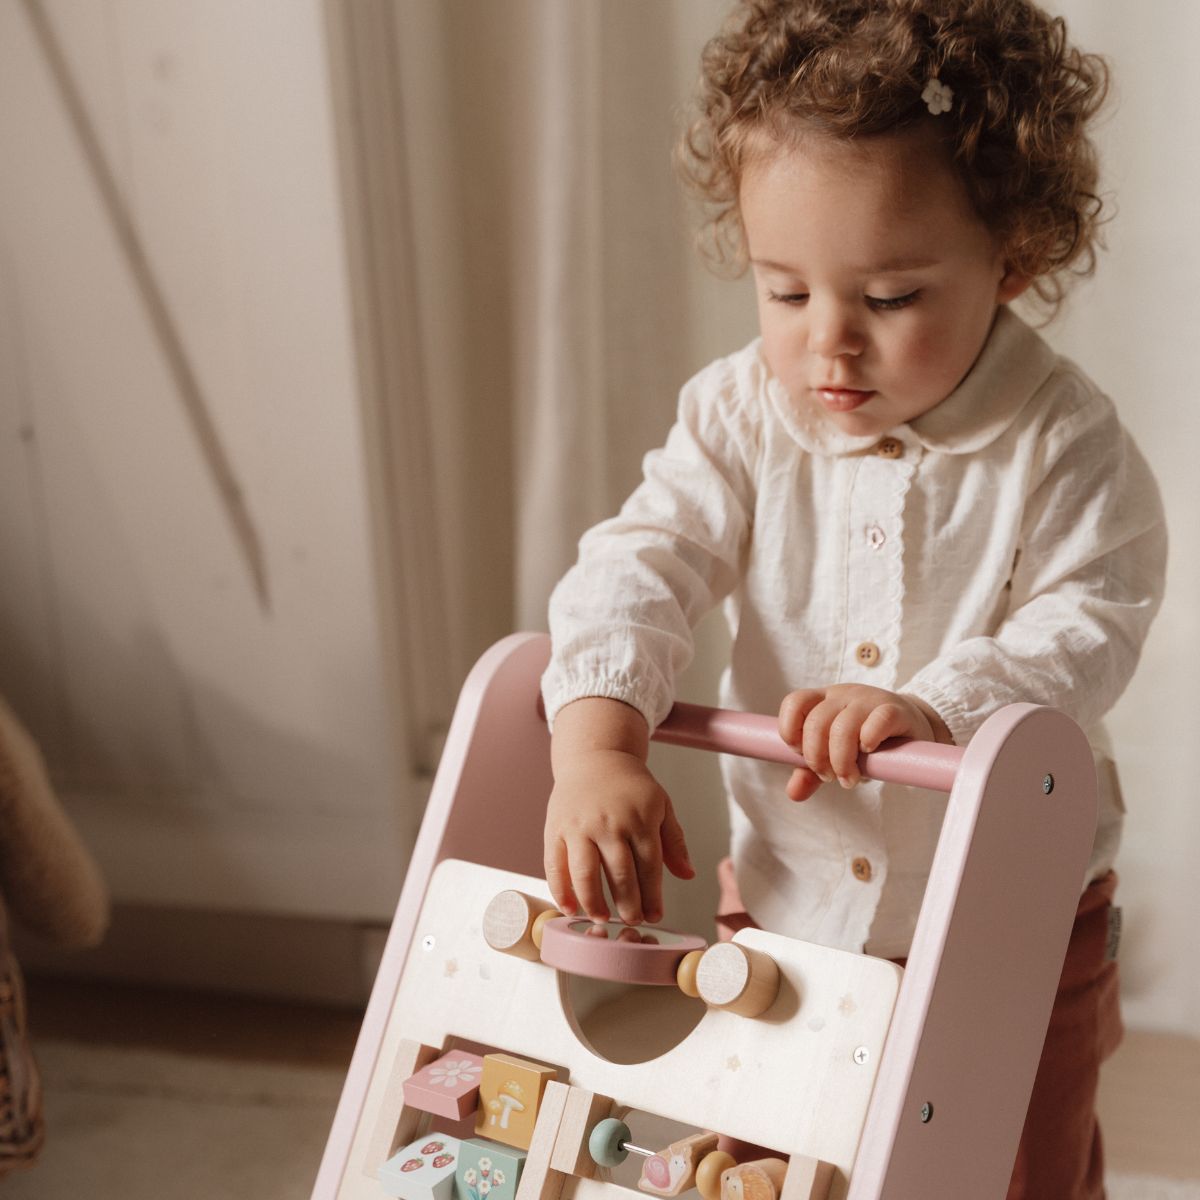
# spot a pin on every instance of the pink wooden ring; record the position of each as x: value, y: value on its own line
x: 613, y: 950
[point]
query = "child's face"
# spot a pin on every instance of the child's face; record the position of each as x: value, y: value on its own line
x: 877, y: 282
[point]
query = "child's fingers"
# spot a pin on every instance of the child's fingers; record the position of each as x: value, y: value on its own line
x: 814, y: 745
x: 648, y: 862
x: 583, y: 859
x: 792, y: 713
x: 623, y: 882
x: 802, y: 784
x: 674, y: 847
x: 844, y: 743
x: 558, y: 878
x: 883, y: 722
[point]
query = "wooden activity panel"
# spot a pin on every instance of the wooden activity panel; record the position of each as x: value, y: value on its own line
x: 811, y: 1073
x: 763, y: 1079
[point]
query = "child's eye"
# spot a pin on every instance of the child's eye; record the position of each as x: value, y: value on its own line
x: 787, y: 297
x: 888, y: 305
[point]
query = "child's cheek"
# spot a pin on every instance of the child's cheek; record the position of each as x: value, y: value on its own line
x: 935, y: 361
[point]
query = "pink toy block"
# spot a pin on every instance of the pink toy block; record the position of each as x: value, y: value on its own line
x: 448, y: 1087
x: 423, y: 1170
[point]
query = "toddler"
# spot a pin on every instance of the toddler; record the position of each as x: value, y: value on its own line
x: 914, y: 510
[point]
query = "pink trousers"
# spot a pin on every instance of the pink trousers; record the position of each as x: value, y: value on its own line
x: 1060, y: 1156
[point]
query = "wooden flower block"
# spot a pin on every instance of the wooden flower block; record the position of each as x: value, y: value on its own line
x: 509, y: 1096
x: 488, y: 1171
x: 423, y: 1170
x: 448, y: 1087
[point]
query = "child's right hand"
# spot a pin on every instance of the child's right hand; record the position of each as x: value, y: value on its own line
x: 608, y: 816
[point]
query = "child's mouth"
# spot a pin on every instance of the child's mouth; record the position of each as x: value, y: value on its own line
x: 842, y: 400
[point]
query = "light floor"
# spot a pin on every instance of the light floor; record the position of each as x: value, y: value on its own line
x: 1149, y: 1104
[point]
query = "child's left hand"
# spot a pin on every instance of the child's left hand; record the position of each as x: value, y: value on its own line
x: 829, y: 727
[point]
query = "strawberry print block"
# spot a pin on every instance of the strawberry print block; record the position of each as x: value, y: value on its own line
x: 423, y: 1170
x: 448, y: 1087
x: 488, y: 1171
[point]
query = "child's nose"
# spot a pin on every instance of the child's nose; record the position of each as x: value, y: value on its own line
x: 833, y: 330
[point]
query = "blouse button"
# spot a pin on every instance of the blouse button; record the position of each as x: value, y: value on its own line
x: 867, y: 653
x: 862, y: 869
x: 890, y: 447
x: 876, y: 537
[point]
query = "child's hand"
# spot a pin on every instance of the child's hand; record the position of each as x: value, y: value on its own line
x: 829, y: 727
x: 608, y: 816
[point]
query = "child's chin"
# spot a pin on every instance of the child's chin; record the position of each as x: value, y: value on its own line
x: 860, y: 423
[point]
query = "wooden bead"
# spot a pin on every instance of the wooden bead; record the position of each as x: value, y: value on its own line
x: 508, y: 923
x: 708, y: 1173
x: 606, y: 1143
x: 539, y: 923
x: 685, y: 975
x: 733, y: 977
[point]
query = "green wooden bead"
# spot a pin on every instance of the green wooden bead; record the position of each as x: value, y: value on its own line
x: 606, y: 1143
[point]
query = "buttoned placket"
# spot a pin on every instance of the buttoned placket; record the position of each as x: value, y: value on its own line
x: 874, y: 604
x: 875, y: 560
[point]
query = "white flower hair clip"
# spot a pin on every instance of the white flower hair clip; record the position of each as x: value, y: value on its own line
x: 937, y: 96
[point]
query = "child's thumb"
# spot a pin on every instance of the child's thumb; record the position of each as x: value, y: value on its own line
x: 674, y: 846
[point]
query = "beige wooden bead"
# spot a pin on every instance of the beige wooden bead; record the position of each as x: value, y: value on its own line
x: 708, y: 1173
x: 539, y: 923
x: 733, y: 977
x: 508, y: 923
x: 685, y: 974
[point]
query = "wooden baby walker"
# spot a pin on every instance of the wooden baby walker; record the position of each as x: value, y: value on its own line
x: 474, y: 1080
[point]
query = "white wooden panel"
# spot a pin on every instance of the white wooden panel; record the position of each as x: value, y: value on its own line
x: 794, y: 1081
x: 216, y: 750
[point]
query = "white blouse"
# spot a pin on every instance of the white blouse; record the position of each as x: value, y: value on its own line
x: 1008, y: 545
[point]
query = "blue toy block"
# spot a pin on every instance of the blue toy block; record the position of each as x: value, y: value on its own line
x: 488, y: 1170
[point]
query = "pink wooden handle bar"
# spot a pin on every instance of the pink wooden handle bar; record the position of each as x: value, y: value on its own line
x: 749, y: 735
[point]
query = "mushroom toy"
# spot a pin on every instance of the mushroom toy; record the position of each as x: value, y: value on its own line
x: 502, y: 1107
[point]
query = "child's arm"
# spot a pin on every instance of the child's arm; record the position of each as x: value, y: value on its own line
x: 621, y: 624
x: 829, y: 727
x: 608, y: 816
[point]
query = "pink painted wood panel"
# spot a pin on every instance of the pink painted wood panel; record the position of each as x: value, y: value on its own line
x: 989, y: 944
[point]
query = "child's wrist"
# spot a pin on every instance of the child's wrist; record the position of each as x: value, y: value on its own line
x: 941, y: 731
x: 599, y: 724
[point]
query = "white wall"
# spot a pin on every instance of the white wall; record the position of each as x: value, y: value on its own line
x: 188, y: 619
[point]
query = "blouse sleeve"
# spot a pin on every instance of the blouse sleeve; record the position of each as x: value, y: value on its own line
x: 621, y: 619
x: 1085, y: 587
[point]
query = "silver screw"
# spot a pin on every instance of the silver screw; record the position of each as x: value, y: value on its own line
x: 1048, y: 784
x: 926, y: 1112
x: 861, y: 1055
x: 428, y: 942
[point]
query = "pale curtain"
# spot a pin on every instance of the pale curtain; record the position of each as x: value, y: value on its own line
x: 1133, y: 328
x: 562, y: 307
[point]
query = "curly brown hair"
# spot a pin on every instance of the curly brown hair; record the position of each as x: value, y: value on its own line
x: 1016, y: 130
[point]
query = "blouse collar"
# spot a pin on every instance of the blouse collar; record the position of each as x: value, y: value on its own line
x: 1011, y: 367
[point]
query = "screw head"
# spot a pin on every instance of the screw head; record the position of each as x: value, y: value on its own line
x: 926, y: 1112
x: 428, y: 942
x: 1048, y: 784
x: 861, y: 1055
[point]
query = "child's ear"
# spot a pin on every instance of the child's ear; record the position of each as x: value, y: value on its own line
x: 1011, y: 285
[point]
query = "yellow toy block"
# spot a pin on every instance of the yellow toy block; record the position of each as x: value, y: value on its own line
x: 509, y: 1095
